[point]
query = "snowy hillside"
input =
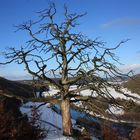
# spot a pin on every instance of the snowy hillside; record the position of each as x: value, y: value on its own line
x: 48, y: 116
x: 50, y: 121
x: 126, y: 95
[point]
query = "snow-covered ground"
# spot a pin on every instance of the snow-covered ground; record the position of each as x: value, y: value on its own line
x: 114, y: 109
x: 127, y: 93
x: 54, y: 131
x: 116, y: 94
x: 48, y: 115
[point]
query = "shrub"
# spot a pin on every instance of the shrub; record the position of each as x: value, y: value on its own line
x: 135, y: 134
x: 109, y: 133
x: 130, y: 116
x: 88, y: 128
x: 15, y: 126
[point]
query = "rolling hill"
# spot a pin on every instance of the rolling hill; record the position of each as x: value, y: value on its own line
x: 15, y: 88
x: 133, y: 84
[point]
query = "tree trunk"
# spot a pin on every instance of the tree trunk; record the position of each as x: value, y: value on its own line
x: 66, y: 118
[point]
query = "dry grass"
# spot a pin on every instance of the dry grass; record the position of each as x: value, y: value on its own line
x: 133, y: 84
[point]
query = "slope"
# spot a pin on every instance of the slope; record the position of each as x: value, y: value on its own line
x: 133, y: 84
x: 15, y: 88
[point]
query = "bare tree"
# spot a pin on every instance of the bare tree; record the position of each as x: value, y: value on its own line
x: 77, y: 60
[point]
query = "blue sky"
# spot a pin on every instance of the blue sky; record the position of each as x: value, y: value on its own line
x: 111, y: 20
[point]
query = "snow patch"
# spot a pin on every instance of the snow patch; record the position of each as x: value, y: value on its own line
x: 48, y: 115
x: 115, y: 110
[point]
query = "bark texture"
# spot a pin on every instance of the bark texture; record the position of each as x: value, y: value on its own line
x: 66, y: 118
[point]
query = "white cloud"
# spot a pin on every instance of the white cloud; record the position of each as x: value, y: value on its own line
x: 121, y: 22
x: 134, y: 67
